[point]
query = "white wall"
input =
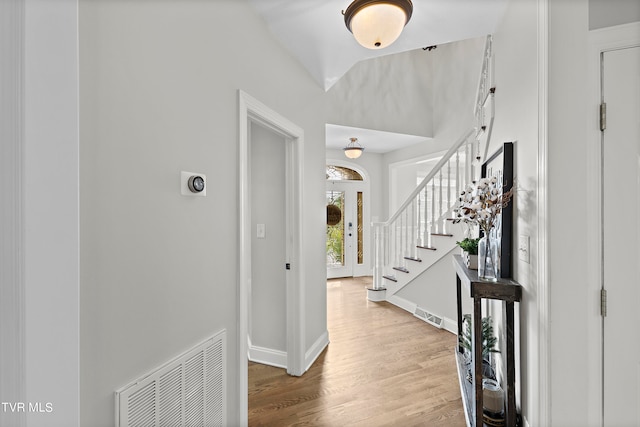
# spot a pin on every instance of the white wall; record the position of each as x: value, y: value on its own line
x: 268, y: 327
x: 568, y: 121
x: 51, y: 259
x: 158, y: 95
x: 12, y: 301
x: 516, y: 120
x: 435, y: 290
x: 387, y: 93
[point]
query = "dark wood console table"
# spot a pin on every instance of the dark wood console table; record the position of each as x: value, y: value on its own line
x: 505, y: 290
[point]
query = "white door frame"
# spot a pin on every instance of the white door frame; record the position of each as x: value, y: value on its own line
x: 252, y: 110
x: 542, y: 390
x: 602, y: 40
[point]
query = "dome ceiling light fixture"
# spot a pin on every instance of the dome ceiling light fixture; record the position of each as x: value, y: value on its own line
x: 376, y: 24
x: 353, y: 150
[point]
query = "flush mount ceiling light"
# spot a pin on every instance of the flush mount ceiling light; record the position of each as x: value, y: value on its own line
x: 353, y: 150
x: 376, y: 24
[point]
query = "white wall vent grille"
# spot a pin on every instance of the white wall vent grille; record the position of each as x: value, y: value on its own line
x: 430, y: 318
x: 187, y: 391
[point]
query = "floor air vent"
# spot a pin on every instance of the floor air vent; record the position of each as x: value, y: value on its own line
x: 430, y: 318
x: 187, y: 391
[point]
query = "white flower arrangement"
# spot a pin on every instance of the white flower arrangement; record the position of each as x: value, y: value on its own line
x: 481, y: 202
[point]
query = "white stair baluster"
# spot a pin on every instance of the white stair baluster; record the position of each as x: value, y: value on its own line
x: 407, y: 237
x: 440, y: 206
x: 457, y: 179
x: 425, y: 236
x: 400, y: 243
x: 414, y: 230
x: 419, y: 221
x: 448, y: 205
x: 433, y: 205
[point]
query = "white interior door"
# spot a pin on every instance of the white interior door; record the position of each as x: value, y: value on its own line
x: 621, y: 239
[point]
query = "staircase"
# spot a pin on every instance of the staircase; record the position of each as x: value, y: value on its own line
x: 421, y: 232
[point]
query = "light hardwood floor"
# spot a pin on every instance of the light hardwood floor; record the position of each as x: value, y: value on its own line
x: 383, y: 367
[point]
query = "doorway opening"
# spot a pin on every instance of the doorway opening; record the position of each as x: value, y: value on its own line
x: 251, y: 111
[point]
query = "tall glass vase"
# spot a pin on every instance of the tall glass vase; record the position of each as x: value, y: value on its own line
x: 488, y: 261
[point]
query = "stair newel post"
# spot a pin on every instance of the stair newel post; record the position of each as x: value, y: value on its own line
x: 379, y: 245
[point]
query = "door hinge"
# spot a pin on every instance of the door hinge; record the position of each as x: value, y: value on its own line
x: 603, y: 116
x: 603, y: 302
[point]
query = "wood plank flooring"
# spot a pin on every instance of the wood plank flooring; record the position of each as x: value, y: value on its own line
x: 383, y: 367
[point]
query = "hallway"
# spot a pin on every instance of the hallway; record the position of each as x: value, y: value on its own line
x: 383, y: 367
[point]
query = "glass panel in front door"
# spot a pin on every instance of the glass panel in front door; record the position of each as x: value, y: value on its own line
x: 335, y: 229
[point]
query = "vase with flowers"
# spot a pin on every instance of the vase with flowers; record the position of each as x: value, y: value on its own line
x: 481, y: 202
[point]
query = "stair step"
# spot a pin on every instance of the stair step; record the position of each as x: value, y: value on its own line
x: 427, y: 247
x: 403, y: 269
x: 392, y: 278
x: 443, y: 235
x: 413, y: 259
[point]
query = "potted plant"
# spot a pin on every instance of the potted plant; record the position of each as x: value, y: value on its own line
x: 470, y: 252
x: 489, y: 341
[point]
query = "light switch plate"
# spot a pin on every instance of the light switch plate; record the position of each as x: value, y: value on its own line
x: 261, y: 231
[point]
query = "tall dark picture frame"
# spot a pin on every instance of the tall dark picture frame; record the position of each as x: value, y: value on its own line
x: 500, y: 164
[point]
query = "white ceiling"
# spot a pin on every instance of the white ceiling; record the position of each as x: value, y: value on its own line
x: 373, y: 141
x: 314, y: 30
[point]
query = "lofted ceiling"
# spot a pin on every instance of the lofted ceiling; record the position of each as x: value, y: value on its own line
x: 315, y: 33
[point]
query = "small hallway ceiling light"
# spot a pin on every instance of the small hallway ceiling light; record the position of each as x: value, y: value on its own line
x: 376, y: 24
x: 353, y: 150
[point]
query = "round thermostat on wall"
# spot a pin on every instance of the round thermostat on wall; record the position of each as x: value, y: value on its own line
x: 196, y: 184
x: 193, y: 184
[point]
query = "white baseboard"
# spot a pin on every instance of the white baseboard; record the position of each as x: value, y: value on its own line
x: 402, y: 303
x: 267, y: 356
x: 316, y: 349
x: 448, y: 324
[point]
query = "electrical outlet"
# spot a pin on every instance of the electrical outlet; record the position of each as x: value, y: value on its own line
x: 523, y: 248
